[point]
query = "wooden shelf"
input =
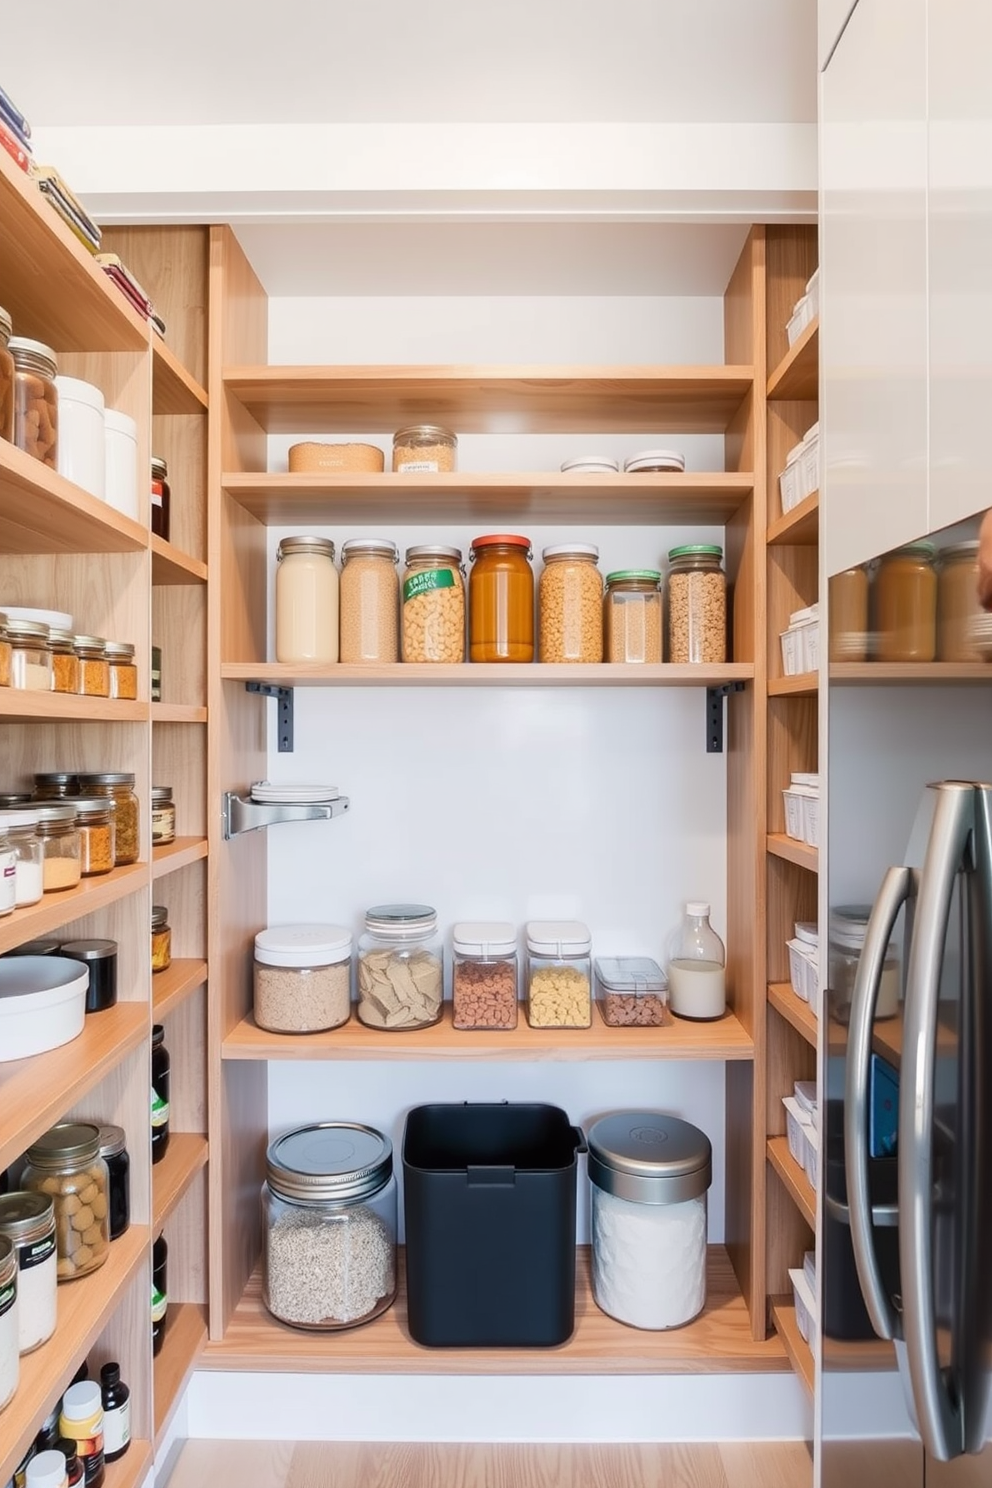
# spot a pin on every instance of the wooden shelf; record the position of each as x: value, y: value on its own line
x: 798, y: 1350
x: 797, y: 376
x: 55, y: 910
x: 492, y: 400
x: 176, y: 855
x: 185, y: 1336
x: 799, y: 527
x: 906, y: 673
x: 543, y: 497
x: 513, y: 674
x: 805, y: 684
x: 800, y: 853
x: 178, y: 713
x: 871, y: 1355
x: 42, y: 512
x: 174, y: 390
x: 172, y: 566
x: 185, y: 1156
x: 22, y: 706
x: 130, y: 1470
x: 170, y: 988
x: 725, y: 1038
x: 84, y: 1306
x: 794, y: 1010
x: 794, y: 1179
x: 719, y: 1341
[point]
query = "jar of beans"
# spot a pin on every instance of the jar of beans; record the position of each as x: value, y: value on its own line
x: 484, y: 975
x: 570, y: 604
x: 36, y: 399
x: 501, y: 599
x: 697, y: 604
x: 6, y: 378
x: 118, y: 785
x: 66, y: 1164
x: 370, y: 601
x: 632, y: 615
x: 433, y: 604
x: 559, y: 974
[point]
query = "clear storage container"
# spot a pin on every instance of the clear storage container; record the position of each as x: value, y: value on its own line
x: 906, y: 605
x: 329, y: 1221
x: 433, y: 604
x: 36, y: 400
x: 5, y: 652
x: 163, y: 816
x: 400, y: 967
x: 424, y: 449
x: 697, y: 604
x: 10, y: 1353
x: 66, y: 1165
x: 20, y: 828
x: 94, y: 668
x: 559, y: 974
x: 697, y: 958
x: 501, y: 599
x: 848, y: 925
x: 97, y: 826
x: 61, y: 850
x: 484, y: 984
x: 632, y: 614
x: 370, y: 601
x: 957, y: 602
x: 632, y: 992
x: 570, y: 604
x: 118, y: 785
x: 123, y: 670
x: 30, y: 657
x: 849, y: 615
x: 6, y: 379
x: 302, y: 978
x: 28, y: 1221
x: 306, y: 601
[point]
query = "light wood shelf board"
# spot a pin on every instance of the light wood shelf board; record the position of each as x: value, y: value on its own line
x: 185, y: 1336
x: 512, y: 674
x: 799, y: 527
x: 130, y: 1470
x: 804, y: 684
x: 798, y: 1350
x: 22, y: 706
x: 42, y: 512
x: 483, y: 399
x: 55, y: 910
x: 794, y: 1010
x: 794, y: 1179
x: 171, y: 987
x: 800, y: 853
x: 174, y: 389
x: 178, y: 854
x: 881, y: 673
x: 83, y: 1308
x: 797, y: 376
x: 170, y: 565
x: 185, y: 1156
x: 719, y: 1341
x: 178, y: 713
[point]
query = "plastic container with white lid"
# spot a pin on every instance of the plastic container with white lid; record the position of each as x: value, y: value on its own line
x: 790, y: 480
x: 811, y: 1154
x: 82, y: 452
x: 120, y: 442
x: 56, y: 619
x: 805, y: 1300
x: 590, y: 465
x: 632, y: 991
x: 848, y: 924
x: 806, y: 1096
x: 559, y: 974
x: 42, y: 1004
x: 800, y: 318
x: 802, y: 968
x: 660, y: 460
x: 810, y: 479
x: 796, y: 1125
x: 808, y: 931
x: 302, y: 978
x: 484, y: 982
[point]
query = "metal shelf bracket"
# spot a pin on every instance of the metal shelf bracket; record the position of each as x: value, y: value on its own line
x: 242, y: 814
x: 284, y: 704
x: 714, y: 714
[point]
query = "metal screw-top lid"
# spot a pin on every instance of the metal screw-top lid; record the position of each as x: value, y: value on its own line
x: 113, y: 1140
x: 400, y: 919
x: 95, y: 645
x: 433, y: 550
x: 321, y: 545
x: 26, y: 630
x: 649, y: 1158
x: 33, y: 356
x: 8, y: 1261
x: 161, y: 794
x: 9, y: 799
x: 45, y: 946
x: 89, y: 950
x: 26, y: 1216
x: 160, y: 916
x: 160, y: 469
x: 6, y: 324
x: 108, y: 777
x: 87, y: 806
x: 158, y: 1035
x: 69, y: 1141
x: 435, y: 433
x: 329, y: 1160
x: 45, y: 813
x: 66, y: 779
x: 369, y: 547
x: 119, y: 650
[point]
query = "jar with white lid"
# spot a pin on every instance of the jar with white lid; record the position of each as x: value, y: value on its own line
x: 484, y: 984
x: 302, y: 978
x: 370, y: 601
x: 400, y: 968
x: 697, y: 966
x: 82, y: 452
x: 28, y: 1221
x: 36, y: 399
x: 10, y: 1350
x: 424, y: 449
x: 559, y: 974
x: 632, y: 992
x: 848, y: 926
x: 650, y: 1174
x: 329, y: 1217
x: 21, y: 831
x: 121, y: 462
x: 30, y: 657
x: 306, y: 601
x: 48, y: 1469
x: 570, y: 604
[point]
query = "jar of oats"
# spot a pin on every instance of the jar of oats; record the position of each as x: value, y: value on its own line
x: 433, y: 604
x: 66, y: 1164
x: 424, y: 449
x: 302, y: 978
x: 632, y: 615
x: 370, y: 601
x: 697, y: 604
x: 570, y: 604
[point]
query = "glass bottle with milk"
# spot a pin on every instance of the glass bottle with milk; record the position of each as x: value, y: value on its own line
x: 696, y: 967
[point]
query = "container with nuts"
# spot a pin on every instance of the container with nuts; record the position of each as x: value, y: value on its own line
x: 36, y: 399
x: 484, y: 975
x: 66, y: 1164
x: 559, y: 974
x: 433, y: 604
x: 632, y: 992
x: 370, y: 601
x: 632, y: 615
x: 570, y: 604
x: 697, y: 605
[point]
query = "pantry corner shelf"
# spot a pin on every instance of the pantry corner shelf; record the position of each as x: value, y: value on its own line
x: 174, y: 389
x: 793, y: 1178
x: 797, y: 376
x: 55, y: 910
x: 132, y: 1469
x: 798, y: 1350
x: 512, y: 674
x: 185, y: 1336
x: 794, y: 1010
x: 800, y: 527
x: 170, y: 565
x: 802, y: 684
x: 800, y: 853
x: 171, y: 987
x: 42, y: 512
x: 185, y: 1156
x: 29, y: 706
x: 172, y: 856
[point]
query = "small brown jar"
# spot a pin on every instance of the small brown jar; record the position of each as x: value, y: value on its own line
x: 906, y: 604
x: 123, y: 670
x: 161, y: 938
x: 163, y: 815
x: 65, y: 662
x: 161, y: 498
x: 6, y: 379
x: 119, y: 786
x: 957, y: 602
x: 94, y: 668
x: 501, y: 599
x: 97, y: 833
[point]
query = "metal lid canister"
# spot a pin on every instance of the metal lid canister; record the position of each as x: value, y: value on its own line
x: 647, y: 1157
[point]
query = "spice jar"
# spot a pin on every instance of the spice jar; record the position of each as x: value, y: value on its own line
x: 20, y: 827
x: 95, y: 818
x: 400, y: 967
x: 160, y: 1293
x: 163, y: 815
x: 697, y: 604
x: 433, y: 604
x: 123, y: 670
x: 848, y: 926
x: 100, y: 959
x: 6, y: 378
x: 649, y: 1174
x: 849, y: 615
x: 10, y: 1353
x: 424, y: 449
x: 36, y: 399
x: 28, y: 1221
x: 30, y: 658
x: 65, y: 662
x: 66, y: 1164
x: 5, y: 652
x: 906, y: 605
x: 632, y: 992
x: 118, y: 785
x: 484, y: 975
x: 501, y: 599
x: 570, y: 604
x: 56, y: 785
x: 632, y: 615
x: 62, y: 864
x: 94, y: 668
x: 113, y: 1150
x: 161, y: 938
x: 81, y: 1421
x: 559, y: 974
x: 302, y: 978
x: 957, y: 602
x: 329, y: 1217
x: 306, y: 601
x: 696, y: 966
x: 161, y: 498
x: 161, y: 1084
x: 370, y: 601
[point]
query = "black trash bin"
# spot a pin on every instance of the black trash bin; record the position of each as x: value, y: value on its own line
x: 489, y: 1196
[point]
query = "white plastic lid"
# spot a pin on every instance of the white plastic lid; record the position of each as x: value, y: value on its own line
x: 593, y: 464
x: 586, y: 550
x: 848, y: 924
x: 116, y: 422
x: 808, y: 932
x: 801, y: 617
x: 806, y: 1095
x: 18, y: 818
x: 697, y: 907
x: 813, y: 432
x: 74, y: 390
x: 81, y: 1401
x: 802, y: 300
x: 795, y: 789
x: 813, y: 280
x: 46, y: 1470
x: 796, y: 1111
x: 484, y: 938
x: 638, y: 974
x: 655, y: 460
x: 302, y: 945
x: 558, y: 937
x: 814, y: 610
x: 801, y: 778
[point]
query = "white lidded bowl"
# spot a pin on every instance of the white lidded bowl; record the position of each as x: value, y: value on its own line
x: 42, y: 1004
x: 57, y: 619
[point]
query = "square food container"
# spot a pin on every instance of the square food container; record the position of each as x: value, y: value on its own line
x: 796, y: 1126
x: 790, y: 481
x: 811, y: 1136
x: 805, y: 1300
x: 809, y: 480
x: 793, y: 800
x: 798, y: 321
x: 42, y: 1004
x: 797, y: 968
x: 632, y: 992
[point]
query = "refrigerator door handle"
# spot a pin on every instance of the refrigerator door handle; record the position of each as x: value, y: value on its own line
x: 897, y: 887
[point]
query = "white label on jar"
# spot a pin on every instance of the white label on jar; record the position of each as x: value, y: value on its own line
x: 37, y: 1284
x: 117, y: 1428
x: 419, y: 467
x: 8, y: 881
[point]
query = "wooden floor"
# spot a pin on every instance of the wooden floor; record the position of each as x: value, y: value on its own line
x: 469, y: 1465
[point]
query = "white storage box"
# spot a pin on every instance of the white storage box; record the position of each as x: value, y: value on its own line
x: 805, y: 1300
x: 805, y: 625
x: 121, y: 446
x: 797, y: 968
x: 42, y: 1003
x: 790, y: 481
x: 82, y: 457
x: 813, y: 294
x: 805, y: 1095
x: 809, y: 1270
x: 812, y: 1153
x: 807, y: 931
x: 796, y: 1127
x: 799, y: 320
x: 810, y: 461
x: 791, y: 652
x: 793, y: 813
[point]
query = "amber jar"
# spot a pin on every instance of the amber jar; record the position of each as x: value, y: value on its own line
x: 570, y: 604
x: 36, y: 400
x: 957, y: 602
x: 849, y: 615
x: 906, y: 605
x: 501, y: 599
x: 161, y: 938
x: 95, y: 820
x: 65, y: 662
x: 119, y: 786
x: 163, y: 815
x: 432, y: 604
x: 6, y: 379
x: 94, y: 668
x: 161, y: 498
x: 123, y: 671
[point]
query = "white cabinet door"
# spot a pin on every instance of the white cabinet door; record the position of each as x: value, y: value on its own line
x: 873, y: 178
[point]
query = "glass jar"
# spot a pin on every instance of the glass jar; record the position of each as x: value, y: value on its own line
x: 160, y: 1293
x: 118, y: 785
x: 155, y: 676
x: 5, y: 652
x: 161, y: 498
x: 28, y: 1221
x: 8, y: 873
x: 20, y: 827
x: 433, y: 604
x: 36, y: 399
x: 957, y: 602
x: 906, y: 605
x: 650, y: 1174
x: 697, y: 967
x: 113, y: 1150
x: 56, y: 785
x: 697, y: 605
x: 302, y: 978
x: 848, y: 925
x: 95, y: 819
x: 632, y: 613
x: 30, y: 658
x: 424, y: 449
x: 123, y: 670
x: 400, y: 968
x: 370, y: 601
x: 161, y: 1088
x: 163, y: 815
x: 94, y: 668
x: 306, y: 601
x: 632, y: 992
x: 61, y: 851
x: 161, y: 938
x: 484, y: 988
x: 6, y: 378
x: 849, y: 615
x: 10, y: 1353
x: 100, y: 959
x: 329, y: 1217
x: 570, y: 604
x: 66, y: 1164
x: 501, y: 599
x: 65, y: 663
x: 559, y: 974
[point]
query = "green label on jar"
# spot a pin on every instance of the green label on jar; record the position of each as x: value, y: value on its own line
x: 160, y: 1303
x: 423, y: 583
x: 160, y: 1109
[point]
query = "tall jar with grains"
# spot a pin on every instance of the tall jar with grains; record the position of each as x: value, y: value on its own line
x: 501, y: 599
x: 66, y: 1164
x: 302, y: 978
x: 559, y: 974
x: 370, y: 601
x: 36, y: 400
x: 424, y: 449
x: 433, y: 604
x: 570, y: 604
x: 697, y: 605
x: 6, y: 378
x: 30, y: 657
x: 118, y: 785
x: 632, y: 615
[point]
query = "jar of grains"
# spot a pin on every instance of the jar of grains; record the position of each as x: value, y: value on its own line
x: 501, y: 599
x: 484, y: 975
x: 65, y: 662
x: 424, y: 449
x: 570, y: 604
x: 36, y: 399
x: 302, y: 978
x: 6, y: 379
x: 329, y: 1217
x: 56, y: 785
x: 906, y: 604
x: 61, y: 851
x: 632, y: 615
x: 21, y: 828
x: 433, y: 604
x: 306, y: 601
x: 66, y: 1164
x: 28, y: 1220
x: 94, y: 668
x: 119, y: 786
x: 123, y: 670
x: 559, y: 974
x: 697, y: 604
x: 10, y: 1353
x: 957, y: 602
x: 163, y: 815
x: 161, y: 498
x: 848, y: 615
x: 30, y: 658
x: 95, y: 819
x: 400, y: 967
x: 370, y: 601
x: 4, y: 652
x: 161, y: 938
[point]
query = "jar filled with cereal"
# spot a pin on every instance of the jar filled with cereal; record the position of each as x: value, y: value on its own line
x: 559, y: 974
x: 697, y: 604
x: 424, y: 449
x: 36, y: 399
x: 66, y: 1164
x: 501, y: 599
x: 400, y: 968
x: 570, y: 604
x: 119, y: 786
x: 484, y: 975
x: 433, y: 604
x: 632, y: 615
x: 370, y: 601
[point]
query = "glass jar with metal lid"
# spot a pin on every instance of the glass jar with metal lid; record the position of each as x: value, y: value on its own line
x: 424, y: 449
x: 570, y: 604
x: 28, y: 1221
x: 66, y: 1164
x: 94, y: 668
x: 5, y: 652
x: 56, y: 785
x: 329, y: 1217
x: 36, y: 399
x: 113, y: 1150
x: 8, y: 869
x: 906, y: 604
x: 306, y: 601
x: 501, y: 599
x: 957, y: 602
x: 632, y: 615
x: 559, y: 974
x: 10, y: 1353
x: 123, y: 670
x: 161, y: 938
x: 6, y: 378
x: 61, y: 851
x: 65, y: 662
x: 433, y: 604
x: 20, y: 827
x: 161, y: 499
x: 400, y: 967
x: 30, y: 657
x: 697, y: 604
x: 650, y: 1174
x: 96, y: 821
x: 848, y: 926
x: 849, y: 614
x: 370, y: 601
x: 484, y: 988
x: 161, y: 1093
x: 163, y: 815
x: 119, y: 786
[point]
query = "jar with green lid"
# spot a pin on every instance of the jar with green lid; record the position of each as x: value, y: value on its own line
x: 123, y: 670
x: 570, y: 604
x: 65, y: 662
x: 36, y: 399
x: 163, y: 815
x: 119, y: 786
x: 94, y: 668
x: 906, y: 605
x: 66, y: 1164
x: 424, y: 449
x: 697, y: 605
x: 61, y: 850
x: 6, y: 378
x: 433, y: 604
x: 632, y: 615
x: 30, y: 657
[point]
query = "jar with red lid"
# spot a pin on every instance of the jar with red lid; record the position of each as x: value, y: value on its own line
x: 161, y: 497
x: 501, y: 599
